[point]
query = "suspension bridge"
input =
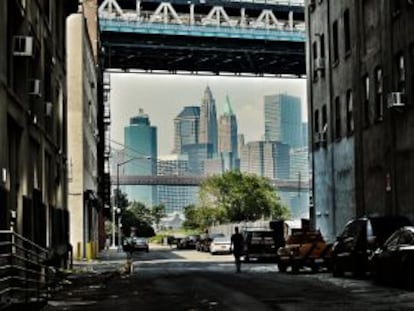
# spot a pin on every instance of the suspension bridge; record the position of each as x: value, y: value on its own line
x: 202, y: 36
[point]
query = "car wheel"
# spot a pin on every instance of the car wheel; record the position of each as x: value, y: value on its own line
x: 295, y: 268
x: 407, y: 275
x: 376, y: 273
x: 282, y: 267
x: 246, y: 258
x: 315, y: 268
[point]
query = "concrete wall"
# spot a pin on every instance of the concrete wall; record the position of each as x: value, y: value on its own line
x: 82, y: 139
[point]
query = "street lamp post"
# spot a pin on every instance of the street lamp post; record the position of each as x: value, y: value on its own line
x: 117, y: 208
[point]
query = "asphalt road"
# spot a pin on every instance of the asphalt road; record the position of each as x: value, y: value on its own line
x: 170, y: 279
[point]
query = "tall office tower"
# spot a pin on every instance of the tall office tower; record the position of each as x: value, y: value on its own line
x: 283, y: 121
x: 213, y: 166
x: 175, y: 198
x: 186, y: 128
x: 240, y: 143
x: 267, y: 159
x: 305, y: 138
x: 228, y: 147
x: 141, y: 150
x: 299, y: 165
x: 208, y: 121
x: 197, y: 153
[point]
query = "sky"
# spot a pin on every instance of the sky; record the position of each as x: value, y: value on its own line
x: 163, y: 97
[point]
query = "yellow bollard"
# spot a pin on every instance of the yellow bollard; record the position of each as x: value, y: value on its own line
x: 89, y: 251
x: 78, y: 251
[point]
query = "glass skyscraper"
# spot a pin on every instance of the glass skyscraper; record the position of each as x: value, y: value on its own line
x: 197, y: 154
x: 141, y: 150
x: 283, y: 119
x: 228, y: 140
x: 175, y: 198
x: 186, y: 128
x: 267, y: 159
x: 208, y: 121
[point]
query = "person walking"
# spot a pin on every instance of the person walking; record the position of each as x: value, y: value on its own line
x: 237, y: 247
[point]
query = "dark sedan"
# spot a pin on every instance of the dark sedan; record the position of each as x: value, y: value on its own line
x: 189, y: 242
x: 133, y: 244
x: 393, y: 263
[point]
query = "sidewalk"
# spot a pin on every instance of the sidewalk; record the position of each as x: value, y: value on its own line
x: 107, y: 261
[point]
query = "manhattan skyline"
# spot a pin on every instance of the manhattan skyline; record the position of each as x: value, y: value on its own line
x: 163, y: 97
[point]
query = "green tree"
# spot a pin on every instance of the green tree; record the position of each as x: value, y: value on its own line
x: 191, y: 221
x: 141, y: 211
x: 200, y: 218
x: 158, y: 212
x: 120, y: 199
x: 137, y: 216
x: 237, y: 196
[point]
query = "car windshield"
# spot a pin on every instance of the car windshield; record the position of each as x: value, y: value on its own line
x: 140, y: 240
x: 217, y: 235
x: 262, y: 237
x: 221, y: 240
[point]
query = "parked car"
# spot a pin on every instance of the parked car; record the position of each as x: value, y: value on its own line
x: 203, y: 244
x: 259, y: 244
x: 393, y: 262
x: 220, y: 245
x: 358, y: 241
x: 133, y: 244
x: 189, y: 242
x: 304, y: 248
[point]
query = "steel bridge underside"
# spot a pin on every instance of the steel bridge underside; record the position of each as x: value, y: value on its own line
x: 152, y: 52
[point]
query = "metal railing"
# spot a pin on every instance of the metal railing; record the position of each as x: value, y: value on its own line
x: 24, y: 275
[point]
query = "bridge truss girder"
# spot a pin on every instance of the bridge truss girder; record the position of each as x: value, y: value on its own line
x: 151, y: 52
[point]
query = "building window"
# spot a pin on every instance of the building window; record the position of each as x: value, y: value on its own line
x: 316, y: 121
x: 315, y: 60
x: 324, y: 119
x: 349, y: 112
x: 322, y: 53
x: 335, y: 42
x: 347, y: 32
x: 412, y: 72
x: 379, y: 98
x: 311, y: 5
x: 337, y: 118
x: 366, y: 101
x: 401, y: 73
x: 90, y: 116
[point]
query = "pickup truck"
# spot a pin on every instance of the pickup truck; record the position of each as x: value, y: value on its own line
x: 304, y: 248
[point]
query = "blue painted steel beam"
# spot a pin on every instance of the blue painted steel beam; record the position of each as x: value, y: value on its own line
x: 118, y: 25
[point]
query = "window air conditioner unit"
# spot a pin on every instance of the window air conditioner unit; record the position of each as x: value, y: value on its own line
x: 312, y: 5
x: 396, y: 100
x: 22, y: 46
x: 34, y: 87
x: 320, y: 63
x: 48, y: 109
